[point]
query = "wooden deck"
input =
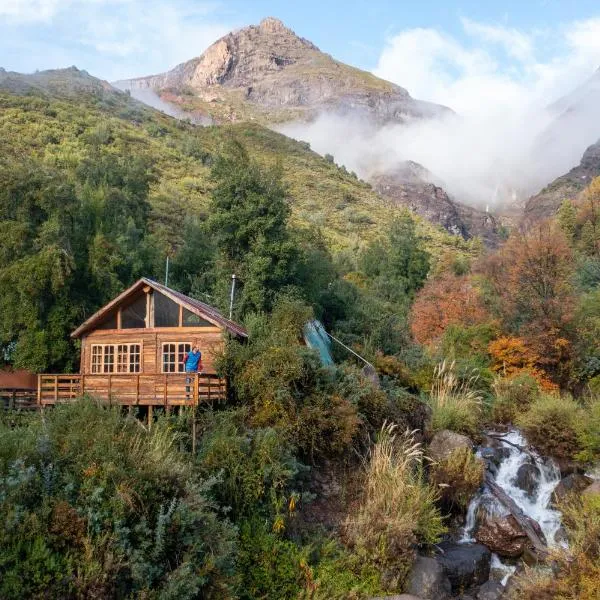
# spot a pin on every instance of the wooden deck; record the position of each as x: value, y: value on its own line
x: 17, y: 399
x: 135, y: 389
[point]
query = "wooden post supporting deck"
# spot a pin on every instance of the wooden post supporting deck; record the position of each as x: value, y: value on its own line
x: 39, y: 391
x: 150, y: 411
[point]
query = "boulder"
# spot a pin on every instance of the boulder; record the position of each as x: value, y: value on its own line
x: 465, y: 565
x: 502, y: 535
x: 491, y: 590
x: 445, y: 442
x: 494, y: 454
x: 594, y: 488
x: 574, y: 483
x: 528, y: 479
x: 428, y: 580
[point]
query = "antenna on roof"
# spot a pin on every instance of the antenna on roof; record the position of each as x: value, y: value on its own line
x: 232, y: 296
x: 167, y: 272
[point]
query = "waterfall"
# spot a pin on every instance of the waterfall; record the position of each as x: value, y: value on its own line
x: 537, y: 507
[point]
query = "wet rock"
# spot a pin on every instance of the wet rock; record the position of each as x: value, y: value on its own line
x: 567, y: 466
x: 502, y: 535
x: 428, y: 580
x: 574, y: 483
x: 495, y: 454
x: 560, y: 537
x: 465, y: 565
x: 528, y: 479
x: 445, y: 442
x: 594, y: 488
x: 491, y: 590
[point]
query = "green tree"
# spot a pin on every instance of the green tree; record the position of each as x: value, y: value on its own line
x: 248, y: 221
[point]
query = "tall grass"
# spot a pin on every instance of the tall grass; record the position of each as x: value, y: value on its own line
x: 397, y: 508
x: 455, y: 402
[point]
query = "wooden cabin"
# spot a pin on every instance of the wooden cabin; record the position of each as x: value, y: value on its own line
x: 132, y: 351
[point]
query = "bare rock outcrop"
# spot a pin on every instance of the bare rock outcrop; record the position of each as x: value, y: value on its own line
x: 270, y: 67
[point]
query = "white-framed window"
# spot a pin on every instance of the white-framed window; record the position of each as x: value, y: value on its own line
x: 116, y: 358
x: 173, y: 354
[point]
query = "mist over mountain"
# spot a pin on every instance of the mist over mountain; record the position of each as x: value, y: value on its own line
x: 492, y: 159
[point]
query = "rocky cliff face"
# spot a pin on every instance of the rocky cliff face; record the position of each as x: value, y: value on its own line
x: 410, y: 185
x: 547, y: 202
x: 269, y: 73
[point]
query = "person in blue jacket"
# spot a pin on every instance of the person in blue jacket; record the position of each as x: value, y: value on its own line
x: 192, y: 362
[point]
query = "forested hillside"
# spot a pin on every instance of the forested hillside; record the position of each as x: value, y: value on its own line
x: 98, y: 189
x: 312, y: 481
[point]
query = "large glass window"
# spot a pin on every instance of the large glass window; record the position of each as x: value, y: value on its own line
x: 173, y: 355
x: 192, y: 320
x: 128, y: 358
x: 134, y: 315
x: 109, y: 322
x: 166, y: 312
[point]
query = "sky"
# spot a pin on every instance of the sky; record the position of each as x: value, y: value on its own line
x: 497, y: 64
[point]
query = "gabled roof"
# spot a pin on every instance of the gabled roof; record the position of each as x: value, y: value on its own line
x: 210, y: 314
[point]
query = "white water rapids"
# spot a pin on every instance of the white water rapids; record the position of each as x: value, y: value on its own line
x: 537, y: 506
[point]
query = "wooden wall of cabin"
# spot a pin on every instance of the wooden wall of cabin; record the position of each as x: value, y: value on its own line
x: 210, y: 341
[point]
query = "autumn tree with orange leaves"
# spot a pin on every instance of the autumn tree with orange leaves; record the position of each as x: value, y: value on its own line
x: 444, y: 301
x: 530, y: 284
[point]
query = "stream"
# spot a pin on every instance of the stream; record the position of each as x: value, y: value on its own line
x: 535, y: 505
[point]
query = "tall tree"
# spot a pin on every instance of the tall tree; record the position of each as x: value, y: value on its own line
x: 249, y: 222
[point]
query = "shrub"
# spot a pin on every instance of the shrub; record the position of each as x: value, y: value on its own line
x: 455, y: 403
x: 589, y: 433
x: 458, y: 477
x: 397, y: 509
x: 513, y: 395
x: 255, y: 468
x: 93, y: 505
x: 270, y: 566
x: 551, y: 425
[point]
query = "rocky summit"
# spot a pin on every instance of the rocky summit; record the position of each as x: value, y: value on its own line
x: 568, y: 186
x: 413, y: 186
x: 267, y: 72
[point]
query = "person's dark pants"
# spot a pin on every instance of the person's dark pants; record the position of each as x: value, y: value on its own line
x: 190, y: 377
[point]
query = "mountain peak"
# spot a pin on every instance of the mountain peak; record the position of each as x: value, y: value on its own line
x: 273, y: 24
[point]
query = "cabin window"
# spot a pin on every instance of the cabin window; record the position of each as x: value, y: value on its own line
x: 166, y: 312
x: 128, y: 358
x: 173, y: 355
x: 192, y: 320
x: 109, y: 322
x: 116, y: 358
x: 134, y: 315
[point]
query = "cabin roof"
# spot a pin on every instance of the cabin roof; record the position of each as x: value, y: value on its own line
x: 198, y: 308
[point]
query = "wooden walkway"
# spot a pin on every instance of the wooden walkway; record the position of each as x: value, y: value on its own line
x: 136, y: 389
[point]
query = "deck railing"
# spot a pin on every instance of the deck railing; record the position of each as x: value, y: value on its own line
x: 133, y: 389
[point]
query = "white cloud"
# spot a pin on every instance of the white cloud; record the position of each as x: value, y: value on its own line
x: 112, y: 39
x: 494, y: 78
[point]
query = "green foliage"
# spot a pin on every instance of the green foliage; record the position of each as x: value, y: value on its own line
x: 94, y: 505
x: 458, y: 478
x: 589, y: 433
x: 255, y: 468
x: 271, y: 566
x: 513, y: 395
x: 456, y: 403
x: 397, y: 509
x: 551, y: 425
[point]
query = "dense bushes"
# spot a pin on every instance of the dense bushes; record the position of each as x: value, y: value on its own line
x: 551, y: 425
x: 455, y: 403
x: 95, y: 506
x: 397, y: 509
x: 458, y: 477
